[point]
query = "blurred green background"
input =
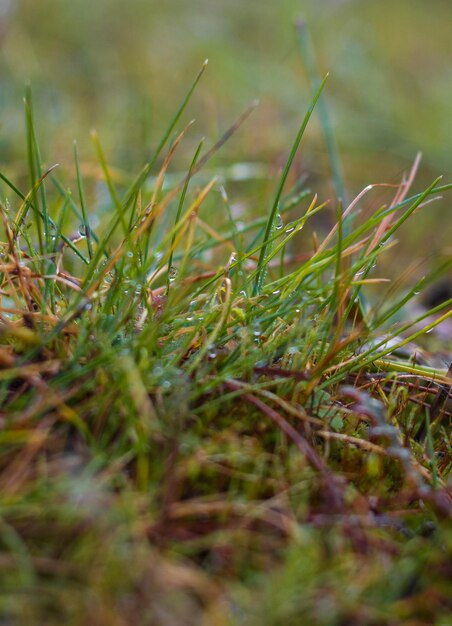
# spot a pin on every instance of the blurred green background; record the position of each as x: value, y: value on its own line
x: 123, y: 68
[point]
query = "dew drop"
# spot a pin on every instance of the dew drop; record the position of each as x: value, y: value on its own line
x: 172, y: 274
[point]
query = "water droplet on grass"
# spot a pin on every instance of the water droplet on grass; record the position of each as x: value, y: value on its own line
x: 83, y: 229
x: 172, y: 274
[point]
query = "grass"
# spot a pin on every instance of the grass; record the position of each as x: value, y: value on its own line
x: 206, y: 422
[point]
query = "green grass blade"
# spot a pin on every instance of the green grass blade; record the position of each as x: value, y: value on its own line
x: 138, y: 182
x: 33, y: 171
x: 120, y: 209
x: 275, y: 207
x: 81, y: 192
x: 180, y: 207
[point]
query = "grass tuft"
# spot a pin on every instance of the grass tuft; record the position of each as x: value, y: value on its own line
x: 204, y: 421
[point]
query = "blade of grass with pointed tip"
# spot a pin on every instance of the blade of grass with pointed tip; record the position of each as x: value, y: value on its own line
x: 33, y: 171
x: 147, y: 168
x: 210, y: 153
x: 120, y: 209
x: 81, y: 193
x: 138, y: 182
x: 37, y: 179
x: 274, y: 210
x: 226, y: 136
x: 180, y: 206
x: 308, y: 56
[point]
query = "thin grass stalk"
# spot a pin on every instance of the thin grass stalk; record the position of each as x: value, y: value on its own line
x: 260, y: 276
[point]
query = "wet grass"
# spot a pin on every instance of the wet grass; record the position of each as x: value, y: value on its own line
x: 212, y: 420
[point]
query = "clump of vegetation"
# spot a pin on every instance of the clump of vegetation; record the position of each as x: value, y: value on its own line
x: 211, y: 422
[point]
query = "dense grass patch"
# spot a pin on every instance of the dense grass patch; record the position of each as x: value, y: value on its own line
x: 207, y: 420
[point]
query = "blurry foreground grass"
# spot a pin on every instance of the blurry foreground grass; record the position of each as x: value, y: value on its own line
x: 208, y: 420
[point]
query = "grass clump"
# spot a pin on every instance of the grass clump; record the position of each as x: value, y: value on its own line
x: 206, y: 422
